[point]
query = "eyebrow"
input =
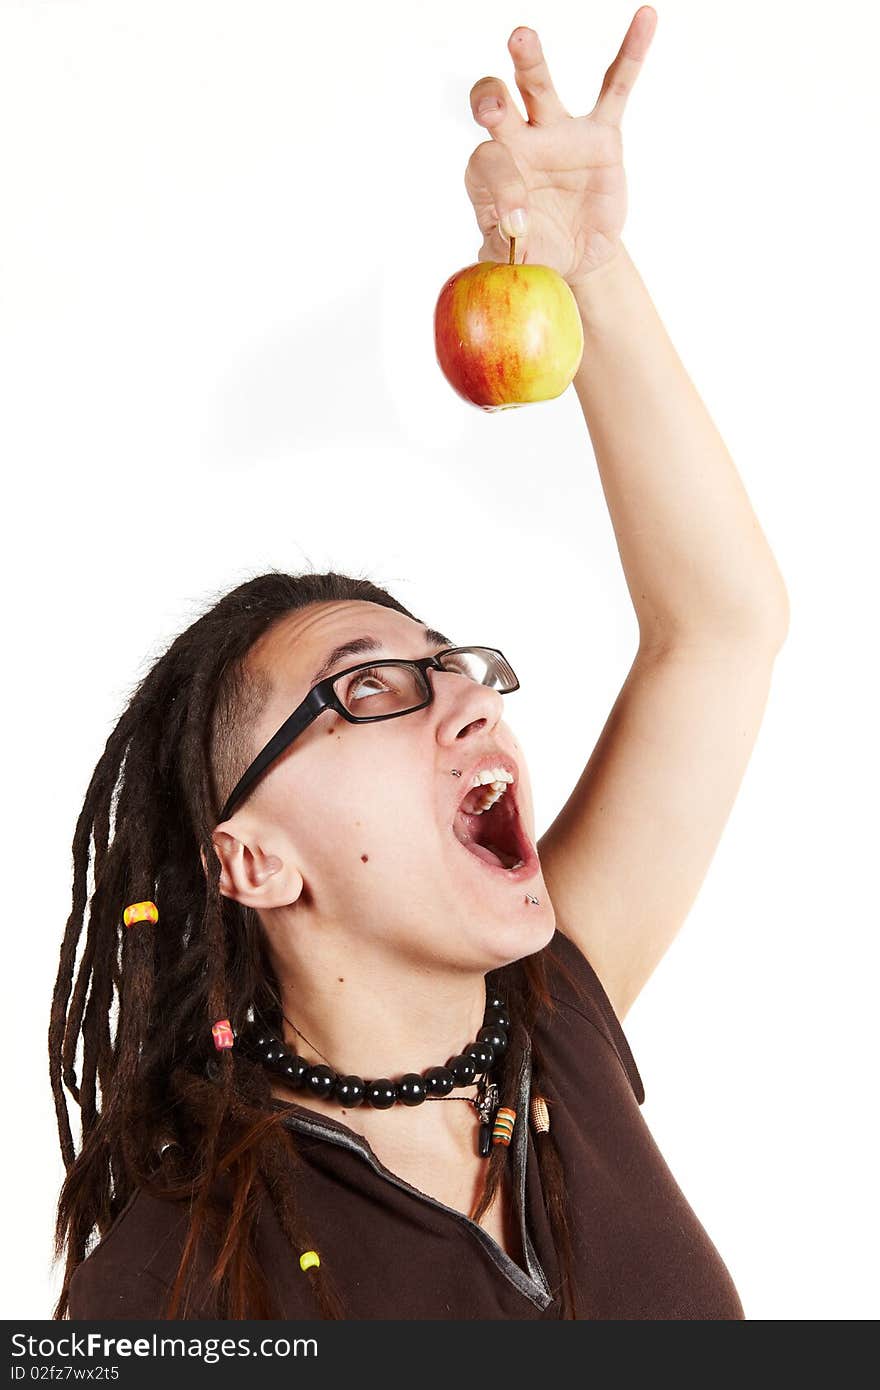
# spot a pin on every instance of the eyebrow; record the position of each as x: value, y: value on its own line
x: 357, y: 645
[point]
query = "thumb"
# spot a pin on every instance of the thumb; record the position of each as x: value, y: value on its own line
x: 514, y: 223
x: 497, y: 190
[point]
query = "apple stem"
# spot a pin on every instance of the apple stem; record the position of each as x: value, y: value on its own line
x: 511, y: 260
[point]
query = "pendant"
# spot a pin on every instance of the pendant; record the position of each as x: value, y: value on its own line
x: 486, y: 1104
x: 485, y: 1140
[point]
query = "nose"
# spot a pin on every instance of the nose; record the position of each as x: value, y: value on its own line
x: 464, y: 706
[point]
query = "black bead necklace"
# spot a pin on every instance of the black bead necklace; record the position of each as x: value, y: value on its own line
x: 477, y: 1059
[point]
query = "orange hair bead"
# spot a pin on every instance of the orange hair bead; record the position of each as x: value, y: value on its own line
x: 502, y: 1130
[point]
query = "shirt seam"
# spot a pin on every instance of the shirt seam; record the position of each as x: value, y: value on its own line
x: 609, y: 1042
x: 156, y: 1278
x: 103, y: 1241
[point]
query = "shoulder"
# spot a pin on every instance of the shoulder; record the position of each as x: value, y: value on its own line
x: 576, y: 990
x: 130, y: 1271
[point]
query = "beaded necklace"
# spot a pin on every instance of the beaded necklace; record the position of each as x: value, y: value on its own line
x: 475, y: 1060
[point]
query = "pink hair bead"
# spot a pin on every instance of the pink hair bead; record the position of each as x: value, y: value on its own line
x: 222, y: 1033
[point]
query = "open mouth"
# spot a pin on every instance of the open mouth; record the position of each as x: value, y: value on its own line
x: 496, y: 836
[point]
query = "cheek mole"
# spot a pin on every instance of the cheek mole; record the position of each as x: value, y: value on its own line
x: 364, y: 858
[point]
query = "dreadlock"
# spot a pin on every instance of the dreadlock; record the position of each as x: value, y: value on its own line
x: 182, y: 1122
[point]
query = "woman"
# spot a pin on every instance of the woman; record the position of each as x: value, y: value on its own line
x: 317, y: 894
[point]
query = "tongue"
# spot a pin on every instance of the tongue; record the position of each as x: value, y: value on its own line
x: 488, y: 854
x: 466, y: 827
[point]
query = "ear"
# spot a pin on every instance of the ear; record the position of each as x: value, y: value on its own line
x: 250, y: 875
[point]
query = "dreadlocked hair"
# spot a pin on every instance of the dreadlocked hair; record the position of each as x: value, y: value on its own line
x: 178, y: 1119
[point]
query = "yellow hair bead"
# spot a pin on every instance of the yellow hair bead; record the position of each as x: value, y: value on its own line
x: 140, y: 912
x: 309, y: 1260
x: 502, y: 1130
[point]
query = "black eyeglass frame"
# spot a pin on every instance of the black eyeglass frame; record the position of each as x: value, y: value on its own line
x: 323, y: 696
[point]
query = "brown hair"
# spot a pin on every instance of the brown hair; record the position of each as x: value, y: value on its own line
x: 178, y: 1119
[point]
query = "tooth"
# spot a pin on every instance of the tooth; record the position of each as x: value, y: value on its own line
x: 494, y: 782
x: 491, y: 774
x: 489, y: 798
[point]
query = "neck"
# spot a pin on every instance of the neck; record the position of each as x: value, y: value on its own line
x: 368, y: 1012
x: 377, y: 1023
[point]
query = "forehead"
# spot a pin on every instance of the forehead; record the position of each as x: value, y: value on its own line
x: 294, y: 649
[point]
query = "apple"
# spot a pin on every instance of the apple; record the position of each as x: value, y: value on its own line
x: 507, y: 335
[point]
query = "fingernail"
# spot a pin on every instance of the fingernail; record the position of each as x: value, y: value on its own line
x: 488, y: 104
x: 515, y: 223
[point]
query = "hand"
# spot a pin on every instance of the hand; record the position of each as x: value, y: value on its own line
x: 565, y: 172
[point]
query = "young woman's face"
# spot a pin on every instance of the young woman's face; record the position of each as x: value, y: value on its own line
x: 365, y: 812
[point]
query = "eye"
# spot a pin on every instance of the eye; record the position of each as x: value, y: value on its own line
x: 365, y: 678
x: 458, y: 665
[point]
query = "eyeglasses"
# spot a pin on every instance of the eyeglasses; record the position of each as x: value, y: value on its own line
x: 387, y: 689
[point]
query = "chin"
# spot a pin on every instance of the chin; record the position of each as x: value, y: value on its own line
x: 520, y: 934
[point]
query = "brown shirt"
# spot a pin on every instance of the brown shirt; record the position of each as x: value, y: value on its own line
x: 395, y: 1252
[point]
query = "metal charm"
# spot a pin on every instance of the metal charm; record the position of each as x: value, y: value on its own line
x: 486, y: 1103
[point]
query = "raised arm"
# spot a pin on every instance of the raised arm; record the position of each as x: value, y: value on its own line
x: 626, y: 855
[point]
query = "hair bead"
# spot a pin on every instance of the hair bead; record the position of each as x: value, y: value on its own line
x: 222, y: 1033
x: 140, y: 912
x: 310, y: 1259
x: 502, y: 1130
x: 540, y: 1115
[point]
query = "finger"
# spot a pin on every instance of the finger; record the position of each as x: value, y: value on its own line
x: 533, y: 78
x: 621, y: 75
x: 494, y: 108
x: 496, y: 188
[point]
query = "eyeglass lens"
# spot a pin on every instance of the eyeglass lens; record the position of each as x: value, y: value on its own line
x: 387, y: 688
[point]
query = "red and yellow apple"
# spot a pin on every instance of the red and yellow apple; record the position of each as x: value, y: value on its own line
x: 507, y: 335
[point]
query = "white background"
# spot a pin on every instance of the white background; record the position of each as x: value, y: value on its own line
x: 224, y: 228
